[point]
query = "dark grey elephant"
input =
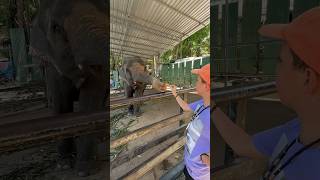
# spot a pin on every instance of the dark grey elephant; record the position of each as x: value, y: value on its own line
x: 135, y: 77
x: 70, y: 37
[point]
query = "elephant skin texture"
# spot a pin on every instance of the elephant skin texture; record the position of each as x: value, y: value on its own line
x: 70, y: 38
x: 135, y: 77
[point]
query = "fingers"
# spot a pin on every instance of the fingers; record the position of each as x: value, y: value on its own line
x: 173, y: 87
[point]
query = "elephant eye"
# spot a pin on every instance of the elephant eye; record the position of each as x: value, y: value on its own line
x: 56, y: 28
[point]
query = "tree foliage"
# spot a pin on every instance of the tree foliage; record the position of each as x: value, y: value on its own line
x: 197, y: 45
x: 10, y: 16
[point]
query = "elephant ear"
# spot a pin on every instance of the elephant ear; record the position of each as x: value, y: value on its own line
x: 39, y: 45
x: 38, y: 41
x: 86, y: 30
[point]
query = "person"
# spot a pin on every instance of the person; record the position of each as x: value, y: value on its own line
x: 197, y: 148
x: 111, y: 83
x: 292, y: 149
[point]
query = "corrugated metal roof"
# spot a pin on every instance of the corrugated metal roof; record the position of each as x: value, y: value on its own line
x: 147, y: 28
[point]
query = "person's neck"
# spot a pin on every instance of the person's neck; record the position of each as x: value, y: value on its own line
x: 310, y: 125
x: 206, y: 100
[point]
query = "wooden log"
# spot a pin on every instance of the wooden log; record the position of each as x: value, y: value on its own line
x: 142, y: 149
x: 152, y: 163
x: 148, y: 129
x: 124, y: 102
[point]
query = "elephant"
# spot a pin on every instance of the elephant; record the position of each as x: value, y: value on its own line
x: 71, y: 40
x: 135, y: 77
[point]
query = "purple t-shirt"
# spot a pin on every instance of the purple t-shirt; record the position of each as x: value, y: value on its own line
x: 271, y: 142
x: 198, y: 142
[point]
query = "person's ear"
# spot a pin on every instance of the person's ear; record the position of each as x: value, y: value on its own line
x: 311, y: 81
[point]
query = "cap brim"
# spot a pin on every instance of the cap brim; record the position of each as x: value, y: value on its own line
x: 274, y: 31
x: 195, y: 71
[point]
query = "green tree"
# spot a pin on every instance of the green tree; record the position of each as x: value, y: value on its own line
x: 197, y: 44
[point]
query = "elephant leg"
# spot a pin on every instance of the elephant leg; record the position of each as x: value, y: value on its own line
x: 92, y: 97
x: 66, y: 148
x: 86, y: 151
x: 129, y: 94
x: 60, y: 98
x: 138, y: 93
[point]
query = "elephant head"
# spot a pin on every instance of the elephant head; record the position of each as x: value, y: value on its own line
x: 134, y: 72
x: 72, y: 35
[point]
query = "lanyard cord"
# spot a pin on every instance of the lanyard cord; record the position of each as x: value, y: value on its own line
x: 197, y: 114
x: 276, y: 162
x: 296, y: 155
x: 278, y: 159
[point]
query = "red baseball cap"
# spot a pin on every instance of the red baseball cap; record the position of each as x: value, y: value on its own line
x: 204, y: 73
x: 301, y: 35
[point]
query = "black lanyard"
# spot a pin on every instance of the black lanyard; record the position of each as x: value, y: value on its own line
x: 197, y: 113
x: 282, y: 154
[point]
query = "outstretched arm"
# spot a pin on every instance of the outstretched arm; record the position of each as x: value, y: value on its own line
x: 184, y: 105
x: 236, y: 138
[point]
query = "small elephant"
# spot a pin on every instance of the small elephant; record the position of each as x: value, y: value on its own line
x: 135, y: 77
x: 71, y: 39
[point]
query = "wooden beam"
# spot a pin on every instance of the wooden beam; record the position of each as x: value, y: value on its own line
x: 151, y: 164
x: 148, y: 129
x: 142, y: 149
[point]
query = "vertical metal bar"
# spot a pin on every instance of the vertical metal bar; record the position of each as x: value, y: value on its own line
x: 226, y: 59
x: 226, y: 40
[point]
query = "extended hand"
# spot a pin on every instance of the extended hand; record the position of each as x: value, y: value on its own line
x: 174, y: 90
x: 163, y: 87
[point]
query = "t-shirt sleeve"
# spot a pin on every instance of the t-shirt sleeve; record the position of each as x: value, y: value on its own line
x: 193, y: 105
x: 266, y: 141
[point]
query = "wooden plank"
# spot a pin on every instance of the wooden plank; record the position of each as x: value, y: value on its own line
x: 152, y: 163
x: 142, y: 149
x: 147, y: 130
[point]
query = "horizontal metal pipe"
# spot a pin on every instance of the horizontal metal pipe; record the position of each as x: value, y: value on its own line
x: 35, y: 85
x: 174, y: 173
x: 247, y: 91
x: 246, y: 44
x: 245, y: 75
x: 22, y: 134
x: 123, y: 102
x: 30, y: 132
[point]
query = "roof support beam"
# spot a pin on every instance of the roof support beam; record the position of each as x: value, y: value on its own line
x: 187, y: 34
x: 180, y: 12
x: 131, y: 54
x: 149, y: 50
x: 145, y: 39
x: 117, y: 21
x: 152, y: 24
x: 136, y: 52
x: 133, y: 42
